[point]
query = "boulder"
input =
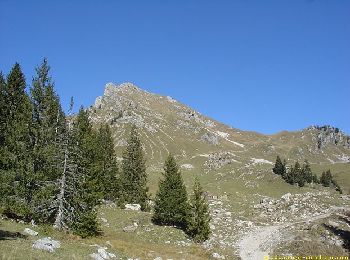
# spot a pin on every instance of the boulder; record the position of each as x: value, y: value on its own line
x: 217, y: 256
x: 136, y: 207
x: 102, y: 254
x: 286, y: 196
x: 30, y: 232
x: 47, y: 244
x: 129, y: 228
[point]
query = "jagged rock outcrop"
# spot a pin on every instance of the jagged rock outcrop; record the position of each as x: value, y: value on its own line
x: 330, y: 135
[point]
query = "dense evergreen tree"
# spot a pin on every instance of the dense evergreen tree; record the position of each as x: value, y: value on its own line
x: 280, y: 167
x: 327, y: 181
x: 48, y: 126
x: 16, y: 166
x: 105, y: 168
x: 308, y: 176
x: 198, y: 227
x: 171, y: 202
x: 3, y: 109
x: 326, y: 178
x: 134, y: 176
x: 75, y: 201
x: 295, y: 175
x: 3, y: 129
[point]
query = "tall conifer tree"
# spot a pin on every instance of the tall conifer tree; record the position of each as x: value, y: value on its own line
x: 171, y: 202
x: 199, y: 228
x: 134, y: 176
x: 48, y: 126
x: 16, y: 165
x: 105, y: 168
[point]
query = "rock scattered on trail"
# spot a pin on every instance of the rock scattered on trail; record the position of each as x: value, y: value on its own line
x: 47, y: 244
x: 130, y: 228
x: 217, y: 256
x: 102, y: 254
x: 30, y: 232
x: 303, y: 206
x: 136, y: 207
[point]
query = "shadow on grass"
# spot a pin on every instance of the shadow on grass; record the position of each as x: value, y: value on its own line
x: 7, y: 235
x: 343, y: 234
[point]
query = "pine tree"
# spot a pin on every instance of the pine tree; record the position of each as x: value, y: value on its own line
x: 171, y: 202
x: 307, y: 173
x: 48, y: 125
x: 75, y: 203
x: 3, y: 109
x: 199, y: 228
x: 326, y: 178
x: 295, y: 175
x: 16, y: 166
x: 85, y: 217
x: 280, y: 167
x: 3, y: 128
x: 105, y: 168
x: 134, y: 177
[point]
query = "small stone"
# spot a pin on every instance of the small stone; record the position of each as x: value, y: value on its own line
x: 30, y: 232
x: 218, y: 256
x: 135, y: 207
x: 129, y: 229
x: 46, y: 244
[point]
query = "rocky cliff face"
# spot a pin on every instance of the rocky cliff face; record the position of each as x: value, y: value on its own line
x: 166, y: 125
x: 327, y: 135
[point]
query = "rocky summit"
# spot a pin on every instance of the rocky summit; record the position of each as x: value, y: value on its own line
x: 166, y: 125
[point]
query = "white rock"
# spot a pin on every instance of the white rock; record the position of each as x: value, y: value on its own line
x: 158, y: 258
x: 96, y: 256
x: 46, y: 244
x: 218, y: 256
x: 104, y: 220
x: 30, y: 232
x: 286, y: 196
x: 187, y: 166
x: 102, y: 254
x: 136, y: 207
x: 129, y: 228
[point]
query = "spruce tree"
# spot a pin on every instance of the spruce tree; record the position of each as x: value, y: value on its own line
x: 307, y: 173
x: 295, y: 175
x: 326, y: 178
x: 171, y: 202
x: 280, y: 167
x: 48, y: 125
x: 199, y: 219
x: 16, y: 166
x: 134, y: 176
x: 105, y: 168
x: 3, y: 128
x: 75, y: 203
x: 85, y: 218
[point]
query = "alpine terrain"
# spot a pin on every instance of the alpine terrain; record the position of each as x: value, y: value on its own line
x: 285, y: 194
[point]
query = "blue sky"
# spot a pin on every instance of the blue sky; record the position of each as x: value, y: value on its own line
x: 257, y: 65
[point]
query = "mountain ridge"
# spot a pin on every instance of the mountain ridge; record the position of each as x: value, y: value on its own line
x: 164, y: 121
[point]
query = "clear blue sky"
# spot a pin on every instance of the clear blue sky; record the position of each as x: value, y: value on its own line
x: 256, y: 65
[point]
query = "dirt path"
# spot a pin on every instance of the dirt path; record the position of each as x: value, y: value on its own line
x: 262, y: 240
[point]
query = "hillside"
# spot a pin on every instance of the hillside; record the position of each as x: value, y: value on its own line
x: 254, y: 212
x: 202, y: 144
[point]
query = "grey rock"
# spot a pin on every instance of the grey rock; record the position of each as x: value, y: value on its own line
x: 30, y: 232
x: 47, y: 244
x: 136, y: 207
x: 130, y: 228
x: 210, y: 138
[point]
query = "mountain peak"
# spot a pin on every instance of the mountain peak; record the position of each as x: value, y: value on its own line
x: 111, y: 88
